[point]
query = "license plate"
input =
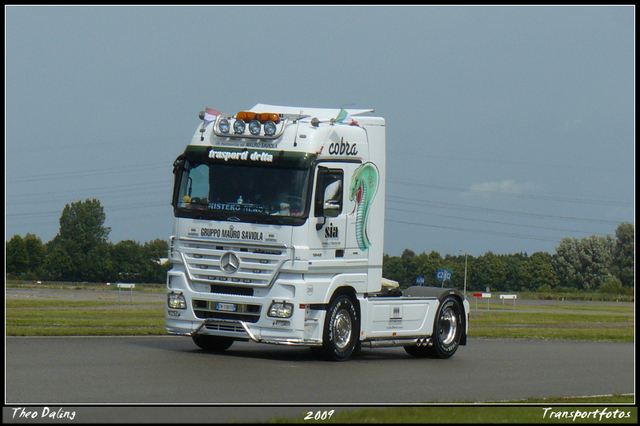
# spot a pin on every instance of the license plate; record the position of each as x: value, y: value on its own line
x: 231, y: 307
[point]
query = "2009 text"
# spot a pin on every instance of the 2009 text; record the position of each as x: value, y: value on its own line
x: 319, y: 415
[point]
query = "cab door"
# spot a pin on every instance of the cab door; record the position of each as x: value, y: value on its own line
x: 328, y: 237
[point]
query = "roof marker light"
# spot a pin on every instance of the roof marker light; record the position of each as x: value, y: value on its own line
x: 263, y: 117
x: 246, y: 116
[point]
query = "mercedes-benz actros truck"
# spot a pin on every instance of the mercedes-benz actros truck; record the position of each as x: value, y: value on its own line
x: 278, y: 238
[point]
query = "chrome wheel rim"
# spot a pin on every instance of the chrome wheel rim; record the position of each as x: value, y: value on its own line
x: 342, y: 329
x: 448, y: 326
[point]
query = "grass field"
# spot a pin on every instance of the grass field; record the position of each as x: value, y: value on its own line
x: 83, y: 318
x: 41, y: 317
x: 585, y: 323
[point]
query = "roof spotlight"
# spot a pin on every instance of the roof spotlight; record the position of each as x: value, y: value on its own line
x: 254, y: 127
x: 269, y: 128
x: 238, y: 126
x: 224, y: 126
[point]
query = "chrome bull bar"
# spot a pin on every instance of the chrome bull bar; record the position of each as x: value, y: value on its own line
x: 234, y: 326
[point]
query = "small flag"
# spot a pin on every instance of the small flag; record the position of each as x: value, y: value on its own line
x: 345, y: 117
x: 210, y: 115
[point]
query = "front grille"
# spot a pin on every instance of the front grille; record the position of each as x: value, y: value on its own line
x: 227, y: 316
x: 205, y: 309
x: 234, y: 328
x: 235, y: 291
x: 258, y: 264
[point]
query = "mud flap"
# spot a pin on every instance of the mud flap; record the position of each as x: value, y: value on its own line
x: 440, y: 294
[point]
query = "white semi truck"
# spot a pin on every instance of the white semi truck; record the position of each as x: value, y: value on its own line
x: 278, y: 238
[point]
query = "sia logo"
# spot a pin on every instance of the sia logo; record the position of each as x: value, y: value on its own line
x: 364, y: 184
x: 331, y: 231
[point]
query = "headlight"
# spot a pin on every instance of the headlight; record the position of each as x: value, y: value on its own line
x: 269, y: 128
x: 224, y: 125
x: 254, y: 127
x: 280, y: 310
x: 238, y: 126
x: 176, y: 301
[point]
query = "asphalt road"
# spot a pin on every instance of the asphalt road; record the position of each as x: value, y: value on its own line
x: 161, y: 370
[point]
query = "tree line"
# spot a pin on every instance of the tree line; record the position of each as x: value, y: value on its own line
x: 593, y: 264
x: 81, y: 252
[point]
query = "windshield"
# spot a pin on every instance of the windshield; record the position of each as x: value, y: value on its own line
x: 211, y: 189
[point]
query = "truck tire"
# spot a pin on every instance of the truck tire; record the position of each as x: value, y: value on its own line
x: 341, y: 330
x: 447, y: 332
x: 212, y: 343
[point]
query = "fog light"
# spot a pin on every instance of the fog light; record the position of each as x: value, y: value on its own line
x: 176, y: 301
x: 224, y: 125
x: 269, y: 128
x: 280, y: 310
x: 254, y: 127
x: 238, y: 126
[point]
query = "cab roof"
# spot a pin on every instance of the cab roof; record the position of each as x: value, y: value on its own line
x: 306, y: 111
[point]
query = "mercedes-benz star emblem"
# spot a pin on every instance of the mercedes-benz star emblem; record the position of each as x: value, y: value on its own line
x: 229, y: 262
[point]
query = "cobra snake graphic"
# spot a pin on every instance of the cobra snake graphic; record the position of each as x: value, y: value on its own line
x: 364, y: 184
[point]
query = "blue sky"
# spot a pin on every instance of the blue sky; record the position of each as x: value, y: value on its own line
x: 508, y: 127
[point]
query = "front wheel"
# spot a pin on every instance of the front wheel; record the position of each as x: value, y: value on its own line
x: 341, y: 330
x: 447, y: 332
x: 212, y: 343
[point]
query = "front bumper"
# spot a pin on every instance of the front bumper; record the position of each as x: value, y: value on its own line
x: 240, y: 330
x: 250, y: 321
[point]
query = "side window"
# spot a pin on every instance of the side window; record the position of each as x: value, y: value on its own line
x: 192, y: 186
x: 328, y: 202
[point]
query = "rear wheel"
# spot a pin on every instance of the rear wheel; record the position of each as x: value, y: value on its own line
x: 212, y: 343
x: 447, y: 332
x: 341, y: 330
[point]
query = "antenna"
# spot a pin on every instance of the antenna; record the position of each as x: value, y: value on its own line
x: 295, y: 136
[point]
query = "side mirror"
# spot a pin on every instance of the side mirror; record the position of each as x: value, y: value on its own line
x: 332, y: 195
x: 328, y: 202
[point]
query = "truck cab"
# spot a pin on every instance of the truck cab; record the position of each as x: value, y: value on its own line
x: 278, y: 238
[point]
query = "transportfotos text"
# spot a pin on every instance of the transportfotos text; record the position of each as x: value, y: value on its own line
x: 599, y: 414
